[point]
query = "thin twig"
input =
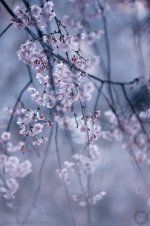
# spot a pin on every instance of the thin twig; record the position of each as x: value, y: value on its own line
x: 16, y: 103
x: 4, y: 31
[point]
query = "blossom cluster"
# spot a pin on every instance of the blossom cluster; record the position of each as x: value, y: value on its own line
x: 30, y: 54
x: 7, y: 145
x: 36, y: 16
x: 11, y: 167
x: 83, y: 201
x: 85, y: 131
x: 134, y: 137
x: 71, y: 87
x: 80, y: 164
x: 32, y: 123
x: 46, y: 99
x: 74, y: 24
x: 64, y: 43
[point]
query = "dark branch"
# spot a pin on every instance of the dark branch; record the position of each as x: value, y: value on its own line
x: 3, y: 32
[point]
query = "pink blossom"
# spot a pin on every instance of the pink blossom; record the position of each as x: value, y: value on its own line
x: 5, y: 136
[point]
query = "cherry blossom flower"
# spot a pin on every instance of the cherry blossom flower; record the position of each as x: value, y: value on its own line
x: 5, y: 136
